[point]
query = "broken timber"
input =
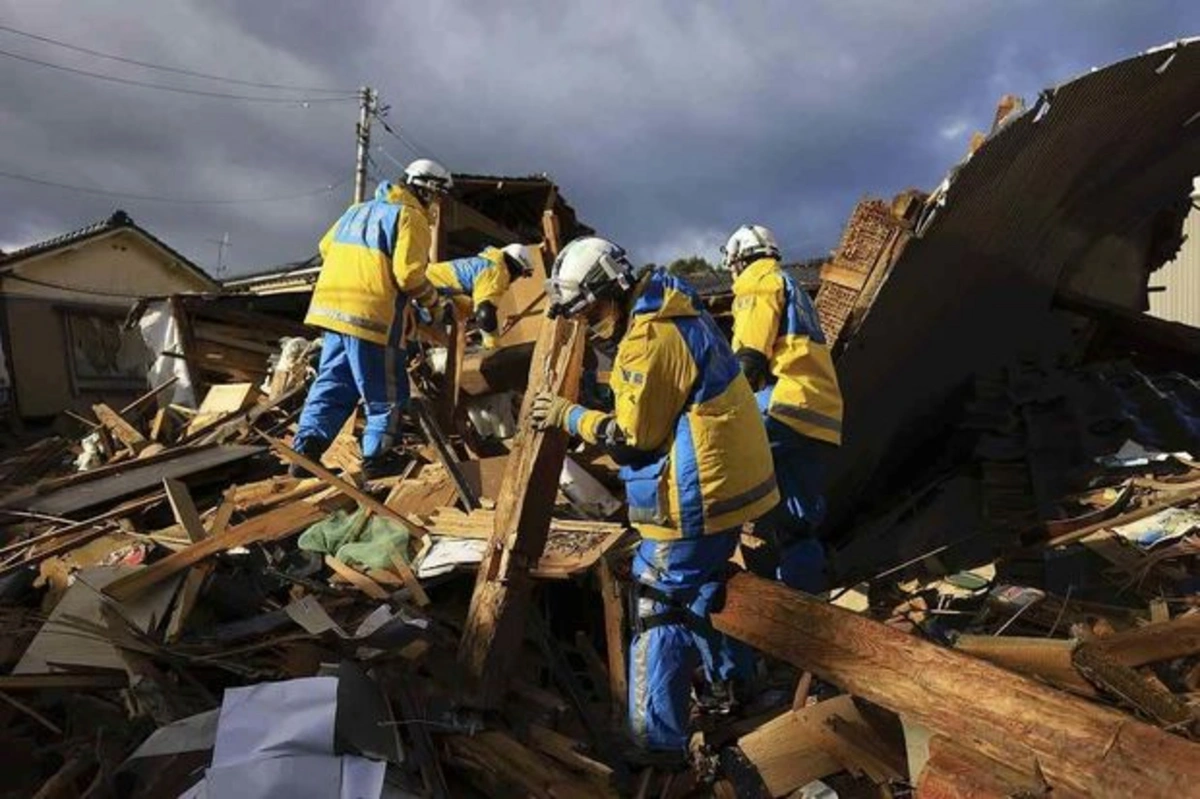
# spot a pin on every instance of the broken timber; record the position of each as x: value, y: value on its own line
x: 496, y: 621
x: 1079, y: 746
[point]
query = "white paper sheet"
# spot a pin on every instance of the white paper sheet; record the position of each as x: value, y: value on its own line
x: 262, y: 721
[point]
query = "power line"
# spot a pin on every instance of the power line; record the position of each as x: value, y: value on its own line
x: 379, y: 148
x: 174, y: 200
x: 177, y: 89
x: 73, y: 290
x: 403, y: 139
x: 164, y: 68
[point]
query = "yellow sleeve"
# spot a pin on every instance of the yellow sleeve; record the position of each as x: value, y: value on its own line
x: 756, y: 316
x: 327, y: 240
x: 651, y: 378
x: 442, y: 276
x: 490, y: 285
x: 411, y: 256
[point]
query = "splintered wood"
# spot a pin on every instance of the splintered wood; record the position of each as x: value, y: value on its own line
x: 496, y: 620
x: 1083, y: 747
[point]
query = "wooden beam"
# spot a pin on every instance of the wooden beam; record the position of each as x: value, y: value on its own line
x: 953, y: 772
x: 128, y: 435
x: 184, y: 509
x: 359, y: 496
x: 139, y: 404
x: 614, y: 636
x: 272, y: 526
x: 496, y: 621
x: 1154, y: 642
x: 356, y: 578
x: 410, y: 580
x: 1080, y: 746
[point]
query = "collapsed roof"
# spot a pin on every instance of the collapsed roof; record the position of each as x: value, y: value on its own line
x: 1081, y: 194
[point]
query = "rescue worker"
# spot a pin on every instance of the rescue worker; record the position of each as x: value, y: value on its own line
x: 694, y: 459
x: 375, y: 257
x: 477, y: 283
x: 779, y: 343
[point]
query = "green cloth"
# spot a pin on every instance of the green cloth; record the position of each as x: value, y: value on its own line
x: 371, y: 547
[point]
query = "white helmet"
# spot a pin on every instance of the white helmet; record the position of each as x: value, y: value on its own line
x: 520, y: 254
x: 748, y: 243
x: 587, y: 270
x: 425, y: 173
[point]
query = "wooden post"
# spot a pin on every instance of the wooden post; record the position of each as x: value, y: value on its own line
x: 496, y: 622
x: 614, y: 635
x: 1079, y: 746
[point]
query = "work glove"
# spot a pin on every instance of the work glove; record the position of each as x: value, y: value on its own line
x: 549, y: 411
x: 488, y: 340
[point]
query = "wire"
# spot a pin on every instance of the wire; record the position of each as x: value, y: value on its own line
x: 176, y: 70
x: 177, y: 89
x: 380, y: 149
x: 72, y: 289
x: 176, y: 200
x: 405, y: 140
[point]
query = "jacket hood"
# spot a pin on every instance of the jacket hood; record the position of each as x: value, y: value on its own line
x: 396, y: 194
x: 756, y: 270
x: 661, y: 295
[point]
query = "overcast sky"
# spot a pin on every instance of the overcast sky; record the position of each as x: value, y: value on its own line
x: 666, y: 124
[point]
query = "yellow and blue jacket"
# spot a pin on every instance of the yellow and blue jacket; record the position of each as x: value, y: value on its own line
x: 483, y: 277
x: 774, y: 316
x: 682, y: 403
x: 375, y: 259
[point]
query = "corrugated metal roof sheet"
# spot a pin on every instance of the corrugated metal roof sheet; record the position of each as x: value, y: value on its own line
x: 1095, y: 155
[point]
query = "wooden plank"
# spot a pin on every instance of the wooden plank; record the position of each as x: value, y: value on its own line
x: 362, y: 498
x: 790, y: 750
x: 184, y: 509
x: 566, y: 751
x: 1154, y: 642
x: 1170, y: 501
x: 496, y: 620
x: 220, y: 402
x: 356, y: 578
x: 141, y: 402
x: 270, y: 526
x: 1047, y: 658
x: 126, y: 433
x: 1079, y: 745
x: 442, y: 451
x: 842, y: 276
x: 611, y: 594
x: 135, y: 477
x: 410, y: 580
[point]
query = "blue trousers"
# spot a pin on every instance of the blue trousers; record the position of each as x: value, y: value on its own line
x: 792, y: 524
x: 661, y: 660
x: 352, y: 369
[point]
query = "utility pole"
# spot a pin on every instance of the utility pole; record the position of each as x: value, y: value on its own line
x: 221, y: 243
x: 367, y: 98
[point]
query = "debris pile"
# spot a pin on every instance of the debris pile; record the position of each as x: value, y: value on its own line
x: 1017, y: 528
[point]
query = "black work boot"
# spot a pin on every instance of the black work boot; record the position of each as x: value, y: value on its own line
x: 312, y: 449
x: 383, y: 465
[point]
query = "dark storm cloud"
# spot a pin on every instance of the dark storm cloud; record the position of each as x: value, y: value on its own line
x: 666, y: 124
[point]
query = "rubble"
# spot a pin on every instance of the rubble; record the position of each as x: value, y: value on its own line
x: 1017, y: 610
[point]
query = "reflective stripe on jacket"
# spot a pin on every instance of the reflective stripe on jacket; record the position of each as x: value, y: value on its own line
x: 774, y: 316
x: 681, y: 398
x: 374, y: 256
x: 483, y: 277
